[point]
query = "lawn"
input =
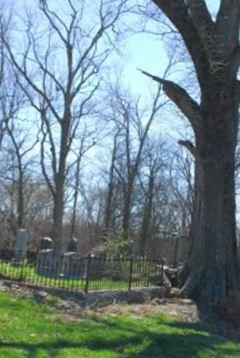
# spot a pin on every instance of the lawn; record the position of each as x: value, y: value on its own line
x: 28, y: 274
x: 33, y: 330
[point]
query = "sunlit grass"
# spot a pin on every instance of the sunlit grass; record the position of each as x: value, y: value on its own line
x: 29, y: 329
x: 29, y: 274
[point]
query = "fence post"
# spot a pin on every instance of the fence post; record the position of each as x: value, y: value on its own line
x: 130, y: 273
x: 87, y: 273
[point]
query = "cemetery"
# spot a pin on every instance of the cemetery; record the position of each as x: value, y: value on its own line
x: 119, y: 178
x: 74, y: 271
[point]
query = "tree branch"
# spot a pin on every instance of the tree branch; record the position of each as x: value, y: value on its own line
x: 202, y: 19
x: 190, y: 147
x: 228, y: 24
x: 182, y: 99
x: 178, y: 13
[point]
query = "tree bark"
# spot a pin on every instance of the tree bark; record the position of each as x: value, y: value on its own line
x: 213, y: 45
x: 213, y: 261
x: 57, y: 226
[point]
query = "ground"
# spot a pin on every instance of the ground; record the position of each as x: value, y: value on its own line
x: 45, y: 326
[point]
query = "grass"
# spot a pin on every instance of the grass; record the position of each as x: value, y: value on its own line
x: 33, y: 330
x: 28, y: 274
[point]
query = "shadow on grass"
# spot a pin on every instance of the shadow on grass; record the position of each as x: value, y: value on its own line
x: 180, y: 340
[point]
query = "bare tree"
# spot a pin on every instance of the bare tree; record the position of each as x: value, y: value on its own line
x: 182, y: 186
x: 109, y: 207
x: 21, y: 150
x: 84, y: 147
x: 133, y: 125
x: 154, y: 161
x: 63, y: 98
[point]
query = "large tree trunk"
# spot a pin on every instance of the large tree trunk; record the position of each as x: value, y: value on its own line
x: 213, y: 45
x: 60, y: 179
x: 213, y: 260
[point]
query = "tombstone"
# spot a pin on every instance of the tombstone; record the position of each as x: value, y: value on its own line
x: 72, y: 245
x: 45, y: 262
x: 46, y: 243
x: 20, y: 250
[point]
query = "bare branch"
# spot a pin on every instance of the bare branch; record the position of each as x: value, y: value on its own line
x: 178, y: 14
x: 189, y: 145
x: 182, y: 99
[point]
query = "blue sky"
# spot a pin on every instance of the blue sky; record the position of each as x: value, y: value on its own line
x: 139, y: 51
x: 148, y: 52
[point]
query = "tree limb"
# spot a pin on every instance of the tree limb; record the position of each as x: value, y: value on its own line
x: 202, y: 19
x: 190, y: 147
x: 228, y: 24
x: 182, y: 99
x: 178, y: 13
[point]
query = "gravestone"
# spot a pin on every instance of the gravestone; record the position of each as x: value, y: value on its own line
x: 45, y: 262
x: 46, y: 243
x: 72, y: 245
x: 20, y: 250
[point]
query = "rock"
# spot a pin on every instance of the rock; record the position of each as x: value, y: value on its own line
x: 186, y: 301
x: 64, y: 305
x: 134, y: 296
x: 158, y: 301
x: 41, y: 294
x: 156, y: 280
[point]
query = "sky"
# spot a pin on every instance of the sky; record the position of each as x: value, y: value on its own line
x: 137, y: 51
x: 148, y: 52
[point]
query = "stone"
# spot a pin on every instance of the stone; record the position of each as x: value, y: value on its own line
x: 72, y: 245
x: 134, y: 296
x: 46, y: 243
x: 45, y: 262
x: 158, y: 301
x: 41, y: 294
x: 66, y: 265
x: 20, y: 250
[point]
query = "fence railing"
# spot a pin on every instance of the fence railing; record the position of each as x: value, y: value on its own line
x: 84, y: 273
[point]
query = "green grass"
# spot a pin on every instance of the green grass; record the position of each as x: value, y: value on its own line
x: 32, y: 330
x: 28, y: 274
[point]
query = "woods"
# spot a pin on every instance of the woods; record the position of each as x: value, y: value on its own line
x: 86, y: 155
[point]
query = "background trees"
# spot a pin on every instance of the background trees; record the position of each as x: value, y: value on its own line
x: 101, y: 160
x: 62, y: 98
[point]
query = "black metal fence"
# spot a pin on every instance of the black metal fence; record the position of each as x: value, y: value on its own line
x: 84, y: 273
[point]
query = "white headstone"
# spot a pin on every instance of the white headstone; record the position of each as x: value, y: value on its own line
x: 21, y: 244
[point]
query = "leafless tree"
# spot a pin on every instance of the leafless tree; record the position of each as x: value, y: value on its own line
x: 133, y: 125
x: 21, y: 151
x: 63, y: 98
x: 154, y: 162
x: 86, y: 143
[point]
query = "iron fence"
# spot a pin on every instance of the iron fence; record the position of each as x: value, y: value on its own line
x: 74, y: 272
